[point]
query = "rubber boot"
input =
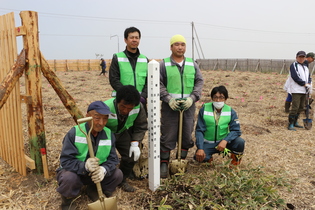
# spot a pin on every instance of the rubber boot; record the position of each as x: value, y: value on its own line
x: 291, y: 123
x: 126, y: 169
x: 296, y: 124
x: 67, y: 203
x: 165, y: 158
x: 183, y: 154
x: 287, y: 106
x: 236, y: 159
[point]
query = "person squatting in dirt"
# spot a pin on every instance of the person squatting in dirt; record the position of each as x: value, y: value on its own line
x: 103, y: 66
x: 129, y: 123
x: 298, y: 84
x: 78, y: 169
x: 130, y: 67
x: 218, y: 129
x: 310, y: 57
x: 181, y: 85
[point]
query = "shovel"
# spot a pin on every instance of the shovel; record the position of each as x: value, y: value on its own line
x: 179, y: 166
x: 103, y: 203
x: 307, y: 122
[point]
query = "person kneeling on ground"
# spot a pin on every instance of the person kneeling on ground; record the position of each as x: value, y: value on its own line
x: 218, y: 128
x: 78, y: 169
x: 129, y: 123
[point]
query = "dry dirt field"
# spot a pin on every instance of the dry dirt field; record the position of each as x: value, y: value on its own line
x: 258, y: 99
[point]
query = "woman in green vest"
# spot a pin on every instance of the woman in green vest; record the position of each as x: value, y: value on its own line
x: 218, y: 129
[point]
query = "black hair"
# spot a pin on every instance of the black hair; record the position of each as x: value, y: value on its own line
x: 131, y: 30
x: 129, y: 94
x: 221, y: 89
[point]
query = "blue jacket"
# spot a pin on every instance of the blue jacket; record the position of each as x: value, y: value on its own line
x: 234, y: 127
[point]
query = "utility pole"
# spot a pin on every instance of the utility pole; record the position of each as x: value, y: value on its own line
x: 193, y: 41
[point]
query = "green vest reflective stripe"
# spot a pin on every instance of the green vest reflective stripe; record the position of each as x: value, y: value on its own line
x: 81, y: 144
x: 216, y: 132
x: 135, y: 78
x: 180, y: 85
x: 112, y: 122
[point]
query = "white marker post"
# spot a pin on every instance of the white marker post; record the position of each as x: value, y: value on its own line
x: 154, y: 124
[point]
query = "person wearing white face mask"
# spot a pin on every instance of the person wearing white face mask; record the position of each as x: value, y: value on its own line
x: 218, y: 128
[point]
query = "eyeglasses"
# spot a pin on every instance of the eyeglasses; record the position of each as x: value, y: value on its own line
x: 218, y: 98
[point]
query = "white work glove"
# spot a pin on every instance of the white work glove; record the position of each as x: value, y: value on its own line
x: 173, y: 104
x: 187, y: 103
x: 134, y: 148
x: 99, y: 174
x: 91, y: 164
x: 308, y: 87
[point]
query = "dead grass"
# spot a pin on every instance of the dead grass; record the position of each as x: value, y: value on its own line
x: 258, y: 99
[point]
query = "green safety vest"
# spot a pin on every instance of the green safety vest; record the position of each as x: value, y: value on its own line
x: 213, y: 131
x: 81, y: 144
x: 180, y: 85
x: 135, y: 78
x: 112, y: 122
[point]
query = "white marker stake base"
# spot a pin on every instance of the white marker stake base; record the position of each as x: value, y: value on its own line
x: 154, y: 124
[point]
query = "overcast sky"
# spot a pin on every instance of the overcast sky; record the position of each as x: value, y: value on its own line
x: 261, y: 29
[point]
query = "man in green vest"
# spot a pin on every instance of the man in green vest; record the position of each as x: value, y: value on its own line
x: 181, y: 80
x: 129, y: 123
x: 77, y: 168
x: 218, y: 129
x: 130, y: 67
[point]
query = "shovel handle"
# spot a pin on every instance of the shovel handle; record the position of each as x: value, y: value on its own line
x: 180, y: 133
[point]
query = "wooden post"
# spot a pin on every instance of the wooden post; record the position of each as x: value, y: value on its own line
x: 33, y: 86
x: 234, y: 66
x: 13, y: 76
x: 55, y: 68
x: 64, y: 96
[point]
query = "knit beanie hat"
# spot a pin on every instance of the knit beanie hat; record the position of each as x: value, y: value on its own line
x: 177, y: 38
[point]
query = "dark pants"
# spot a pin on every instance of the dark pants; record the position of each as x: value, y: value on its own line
x: 170, y: 127
x: 123, y: 141
x: 236, y: 146
x: 70, y: 183
x: 298, y: 103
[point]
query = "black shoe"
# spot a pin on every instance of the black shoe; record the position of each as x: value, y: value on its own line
x: 92, y: 193
x: 108, y: 194
x: 67, y: 203
x: 126, y: 187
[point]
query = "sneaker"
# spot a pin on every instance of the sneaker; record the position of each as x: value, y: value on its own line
x: 126, y: 187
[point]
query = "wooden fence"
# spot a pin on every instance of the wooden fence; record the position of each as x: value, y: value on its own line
x: 32, y: 64
x: 254, y: 65
x: 77, y: 65
x: 11, y: 135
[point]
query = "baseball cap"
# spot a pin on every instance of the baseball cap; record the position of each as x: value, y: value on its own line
x: 310, y: 54
x: 100, y: 107
x: 300, y: 53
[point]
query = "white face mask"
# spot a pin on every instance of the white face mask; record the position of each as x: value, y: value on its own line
x: 218, y: 105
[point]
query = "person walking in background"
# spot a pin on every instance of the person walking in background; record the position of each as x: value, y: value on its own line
x: 129, y: 123
x: 130, y: 67
x: 77, y: 168
x: 309, y: 59
x: 180, y: 80
x: 298, y: 85
x: 103, y: 65
x: 218, y: 128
